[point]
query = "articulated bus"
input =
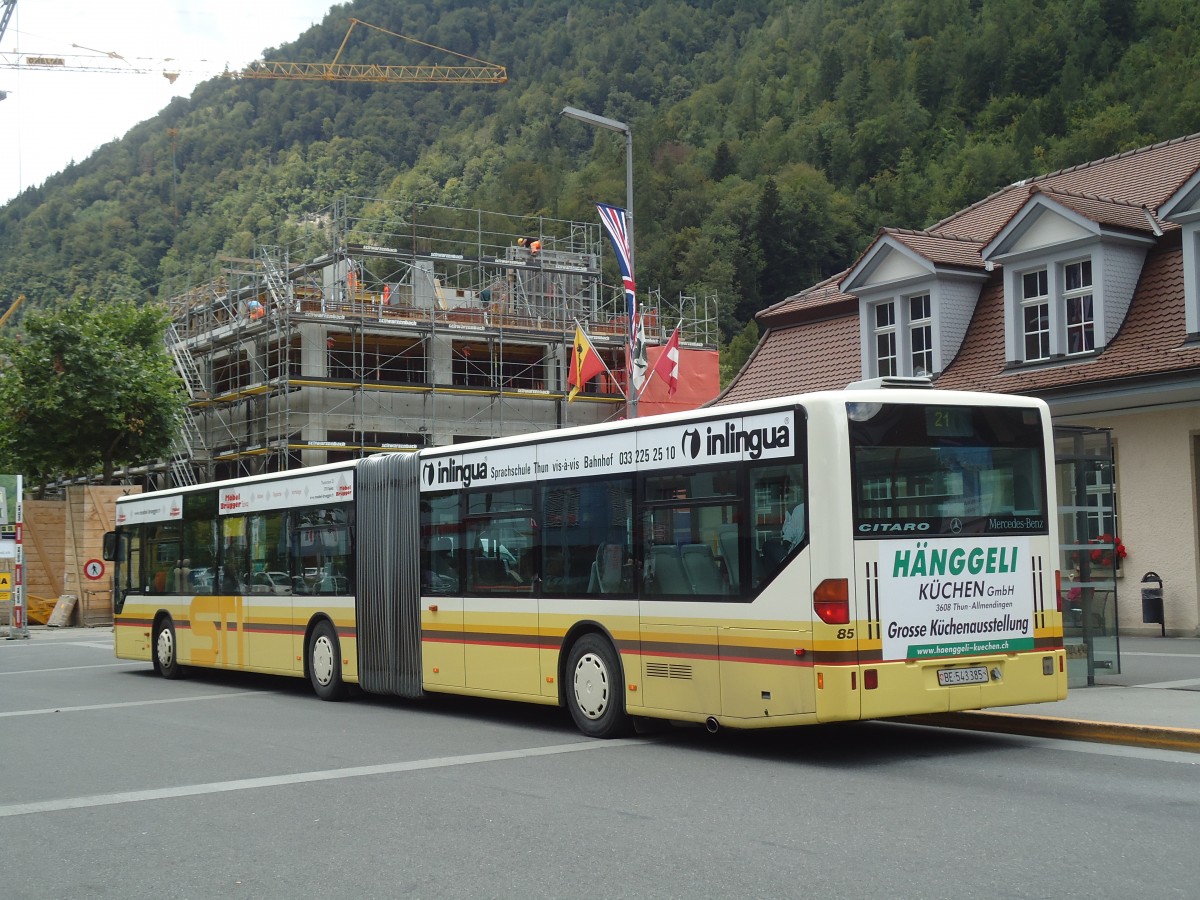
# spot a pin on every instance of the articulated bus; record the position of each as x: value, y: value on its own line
x: 879, y: 551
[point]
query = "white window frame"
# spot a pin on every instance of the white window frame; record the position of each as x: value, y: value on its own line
x: 1043, y: 333
x: 892, y: 336
x: 1084, y: 294
x: 1053, y: 332
x: 920, y: 332
x: 885, y: 333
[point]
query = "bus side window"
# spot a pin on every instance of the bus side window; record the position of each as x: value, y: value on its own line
x: 163, y: 546
x: 780, y: 518
x: 441, y: 539
x: 587, y: 537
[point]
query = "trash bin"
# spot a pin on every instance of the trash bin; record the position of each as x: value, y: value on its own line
x: 1152, y: 601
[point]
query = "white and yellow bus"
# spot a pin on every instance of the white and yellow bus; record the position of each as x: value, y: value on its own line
x: 874, y: 552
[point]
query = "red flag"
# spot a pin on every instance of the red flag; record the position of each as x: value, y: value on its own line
x: 666, y: 366
x: 586, y: 363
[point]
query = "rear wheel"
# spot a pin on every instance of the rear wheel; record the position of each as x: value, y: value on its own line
x: 325, y: 662
x: 595, y: 694
x: 166, y: 650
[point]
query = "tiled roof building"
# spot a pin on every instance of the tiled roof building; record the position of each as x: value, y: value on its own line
x: 1080, y: 286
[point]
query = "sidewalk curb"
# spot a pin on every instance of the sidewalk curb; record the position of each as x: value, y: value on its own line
x: 1158, y: 737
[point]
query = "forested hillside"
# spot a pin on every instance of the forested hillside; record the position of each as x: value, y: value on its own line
x: 771, y: 137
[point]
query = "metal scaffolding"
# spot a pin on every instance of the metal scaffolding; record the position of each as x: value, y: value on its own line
x: 378, y: 325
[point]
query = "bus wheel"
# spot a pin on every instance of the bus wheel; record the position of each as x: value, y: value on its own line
x: 325, y: 663
x: 594, y: 691
x: 166, y: 650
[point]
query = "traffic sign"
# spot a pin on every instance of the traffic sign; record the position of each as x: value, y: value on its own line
x: 93, y: 570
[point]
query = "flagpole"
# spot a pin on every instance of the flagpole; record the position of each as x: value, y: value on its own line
x: 620, y: 127
x: 632, y: 395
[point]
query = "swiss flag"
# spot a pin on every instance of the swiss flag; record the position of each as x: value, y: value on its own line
x: 666, y: 366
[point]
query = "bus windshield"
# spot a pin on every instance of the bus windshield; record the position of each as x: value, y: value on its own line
x: 946, y: 470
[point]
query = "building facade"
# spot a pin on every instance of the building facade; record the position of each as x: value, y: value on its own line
x: 379, y: 326
x: 1081, y: 287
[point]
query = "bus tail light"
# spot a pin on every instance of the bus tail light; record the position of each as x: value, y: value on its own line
x: 870, y: 679
x: 831, y: 601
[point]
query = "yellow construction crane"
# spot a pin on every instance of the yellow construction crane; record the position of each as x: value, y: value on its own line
x: 477, y: 71
x: 12, y: 308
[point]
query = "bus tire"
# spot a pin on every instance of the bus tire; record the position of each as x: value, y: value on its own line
x: 594, y: 688
x: 325, y: 662
x: 166, y: 649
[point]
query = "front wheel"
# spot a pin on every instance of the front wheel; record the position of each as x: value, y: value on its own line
x: 325, y: 663
x: 166, y: 650
x: 594, y: 691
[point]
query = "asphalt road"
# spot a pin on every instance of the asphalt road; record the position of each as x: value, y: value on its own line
x: 115, y: 783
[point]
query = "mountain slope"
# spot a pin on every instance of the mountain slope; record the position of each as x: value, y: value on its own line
x: 771, y: 137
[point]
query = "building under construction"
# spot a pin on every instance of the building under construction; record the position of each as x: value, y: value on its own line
x: 381, y: 326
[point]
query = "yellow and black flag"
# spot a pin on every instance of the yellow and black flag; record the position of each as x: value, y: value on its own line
x: 586, y: 363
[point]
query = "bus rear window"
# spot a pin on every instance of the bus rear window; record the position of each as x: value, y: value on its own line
x: 938, y: 470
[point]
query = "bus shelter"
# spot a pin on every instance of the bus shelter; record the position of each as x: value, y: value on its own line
x: 1088, y: 554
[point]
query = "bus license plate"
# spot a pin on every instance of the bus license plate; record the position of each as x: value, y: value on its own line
x: 972, y: 675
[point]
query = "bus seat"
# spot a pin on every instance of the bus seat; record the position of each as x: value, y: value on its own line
x: 490, y: 570
x: 607, y: 569
x: 701, y: 568
x: 669, y: 573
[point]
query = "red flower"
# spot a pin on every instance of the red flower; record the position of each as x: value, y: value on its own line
x: 1109, y: 550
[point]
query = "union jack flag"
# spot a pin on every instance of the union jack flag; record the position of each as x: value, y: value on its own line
x: 613, y: 218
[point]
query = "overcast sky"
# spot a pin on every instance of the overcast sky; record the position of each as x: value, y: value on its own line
x: 51, y: 119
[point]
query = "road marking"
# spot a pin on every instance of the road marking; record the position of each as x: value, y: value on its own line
x: 248, y: 784
x: 1174, y: 756
x: 1185, y: 683
x: 41, y: 644
x: 1195, y: 656
x: 63, y: 709
x: 72, y: 668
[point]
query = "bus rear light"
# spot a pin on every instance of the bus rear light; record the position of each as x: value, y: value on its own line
x: 820, y: 681
x: 870, y: 679
x: 831, y: 601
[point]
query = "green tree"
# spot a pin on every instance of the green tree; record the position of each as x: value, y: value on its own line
x: 737, y: 351
x: 87, y: 386
x: 723, y: 164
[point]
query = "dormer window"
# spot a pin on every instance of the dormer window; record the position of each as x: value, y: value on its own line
x: 916, y: 295
x: 902, y: 336
x: 1057, y: 311
x: 1071, y: 264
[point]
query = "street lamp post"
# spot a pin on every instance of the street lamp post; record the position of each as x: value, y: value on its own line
x: 613, y: 125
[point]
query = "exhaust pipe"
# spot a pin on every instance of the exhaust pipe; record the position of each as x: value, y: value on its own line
x: 712, y: 724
